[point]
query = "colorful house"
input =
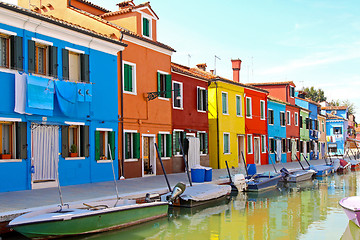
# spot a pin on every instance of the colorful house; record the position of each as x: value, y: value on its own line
x: 276, y: 130
x: 190, y: 116
x: 285, y: 91
x: 144, y: 77
x: 322, y: 137
x: 304, y: 133
x: 59, y: 111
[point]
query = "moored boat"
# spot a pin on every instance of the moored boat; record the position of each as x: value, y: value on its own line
x: 297, y: 176
x: 322, y: 170
x: 351, y: 207
x: 263, y: 181
x: 343, y: 166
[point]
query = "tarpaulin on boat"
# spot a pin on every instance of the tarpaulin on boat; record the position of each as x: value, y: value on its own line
x: 203, y: 192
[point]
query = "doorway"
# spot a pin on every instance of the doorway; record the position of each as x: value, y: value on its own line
x: 148, y: 156
x: 241, y: 150
x: 257, y: 159
x: 44, y: 155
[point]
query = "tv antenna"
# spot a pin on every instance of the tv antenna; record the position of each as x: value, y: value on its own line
x: 216, y: 57
x: 189, y: 56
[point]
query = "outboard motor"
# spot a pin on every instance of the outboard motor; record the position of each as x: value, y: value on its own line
x: 284, y: 172
x: 177, y: 191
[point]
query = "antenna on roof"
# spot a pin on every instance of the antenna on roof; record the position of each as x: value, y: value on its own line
x: 189, y: 56
x: 216, y: 57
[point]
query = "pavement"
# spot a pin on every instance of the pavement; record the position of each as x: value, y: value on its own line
x: 13, y: 204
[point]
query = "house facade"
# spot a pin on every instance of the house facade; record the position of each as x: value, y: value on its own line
x: 190, y: 114
x: 144, y: 77
x: 322, y: 138
x: 276, y: 130
x: 59, y: 114
x: 304, y: 133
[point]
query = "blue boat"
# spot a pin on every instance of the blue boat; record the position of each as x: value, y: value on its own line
x: 323, y: 170
x: 263, y: 181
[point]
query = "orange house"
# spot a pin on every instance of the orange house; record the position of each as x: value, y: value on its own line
x: 144, y: 81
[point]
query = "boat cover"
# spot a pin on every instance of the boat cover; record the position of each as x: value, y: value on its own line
x: 204, y: 192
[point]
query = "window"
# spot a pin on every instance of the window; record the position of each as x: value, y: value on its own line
x: 297, y: 145
x: 4, y: 50
x: 164, y: 84
x: 164, y: 144
x: 178, y: 95
x: 316, y: 124
x: 177, y: 136
x: 271, y: 116
x: 337, y: 130
x: 132, y: 145
x: 323, y: 126
x: 248, y: 107
x: 238, y: 106
x: 11, y: 50
x: 43, y: 58
x: 249, y: 144
x: 292, y: 91
x: 301, y: 146
x: 263, y: 143
x: 203, y: 142
x: 262, y: 110
x: 283, y: 145
x: 224, y: 99
x: 13, y: 140
x: 288, y: 120
x: 296, y: 119
x: 202, y: 99
x: 272, y: 145
x: 289, y: 145
x: 75, y: 141
x: 75, y: 65
x: 308, y: 122
x: 226, y: 137
x: 301, y: 122
x: 103, y: 137
x: 146, y: 27
x: 282, y: 119
x: 129, y: 77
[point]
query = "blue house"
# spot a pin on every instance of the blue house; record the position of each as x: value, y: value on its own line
x: 59, y: 108
x: 276, y: 130
x: 336, y: 128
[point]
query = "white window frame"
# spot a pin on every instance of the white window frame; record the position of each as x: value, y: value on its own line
x: 284, y: 119
x: 271, y: 139
x: 273, y: 120
x: 227, y: 103
x: 292, y: 89
x: 227, y: 134
x: 164, y: 73
x: 11, y: 121
x: 288, y: 113
x: 248, y: 107
x: 181, y: 95
x: 132, y: 146
x: 288, y: 141
x: 240, y: 104
x: 197, y: 98
x: 179, y: 131
x: 264, y: 117
x: 296, y: 119
x: 134, y: 92
x: 251, y: 144
x: 204, y: 132
x: 263, y: 143
x: 150, y: 27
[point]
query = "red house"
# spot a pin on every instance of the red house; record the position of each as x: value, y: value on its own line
x: 190, y: 113
x: 285, y: 91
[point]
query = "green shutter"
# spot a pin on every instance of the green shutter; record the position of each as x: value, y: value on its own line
x: 206, y: 143
x: 53, y: 61
x: 224, y: 103
x: 84, y: 141
x: 175, y: 135
x: 97, y: 145
x: 206, y: 100
x: 168, y: 86
x: 159, y: 144
x: 168, y: 145
x: 65, y: 141
x: 21, y: 140
x: 128, y: 69
x: 159, y: 81
x: 126, y: 146
x: 136, y: 144
x: 237, y: 105
x: 17, y: 52
x: 146, y: 30
x: 111, y: 141
x: 85, y: 72
x: 65, y: 64
x: 31, y: 57
x: 198, y: 99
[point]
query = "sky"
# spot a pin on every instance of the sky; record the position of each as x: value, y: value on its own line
x: 310, y: 42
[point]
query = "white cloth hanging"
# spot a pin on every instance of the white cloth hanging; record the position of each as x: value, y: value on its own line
x: 20, y: 92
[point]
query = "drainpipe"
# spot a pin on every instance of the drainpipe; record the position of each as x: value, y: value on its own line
x: 217, y: 126
x: 122, y: 114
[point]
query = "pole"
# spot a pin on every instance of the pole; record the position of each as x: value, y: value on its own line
x: 242, y: 155
x: 186, y: 165
x: 305, y: 159
x: 227, y: 167
x: 113, y: 170
x: 300, y: 163
x: 162, y: 165
x: 271, y: 159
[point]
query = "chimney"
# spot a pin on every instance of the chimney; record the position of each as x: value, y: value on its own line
x: 236, y: 66
x: 212, y: 71
x: 202, y: 66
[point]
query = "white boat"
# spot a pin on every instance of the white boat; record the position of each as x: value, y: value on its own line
x: 351, y: 207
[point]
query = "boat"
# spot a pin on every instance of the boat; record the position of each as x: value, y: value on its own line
x: 87, y: 218
x: 262, y: 181
x: 351, y: 207
x: 352, y: 232
x: 355, y: 165
x: 342, y: 166
x: 199, y: 194
x: 297, y: 175
x: 322, y: 170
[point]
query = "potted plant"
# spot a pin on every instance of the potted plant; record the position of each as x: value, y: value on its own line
x: 73, y: 151
x: 6, y: 155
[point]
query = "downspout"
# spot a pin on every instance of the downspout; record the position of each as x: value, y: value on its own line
x: 122, y: 114
x: 217, y: 126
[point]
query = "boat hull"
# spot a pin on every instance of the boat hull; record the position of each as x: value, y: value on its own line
x: 351, y: 210
x: 323, y: 170
x: 299, y: 176
x: 263, y: 183
x: 98, y: 222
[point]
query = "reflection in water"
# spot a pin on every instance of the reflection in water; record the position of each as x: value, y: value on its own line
x: 307, y: 210
x: 352, y: 232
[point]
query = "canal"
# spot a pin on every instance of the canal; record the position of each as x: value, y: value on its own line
x: 307, y: 210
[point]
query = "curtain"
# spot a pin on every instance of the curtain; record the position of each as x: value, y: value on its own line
x: 45, y: 150
x: 293, y: 150
x: 278, y: 150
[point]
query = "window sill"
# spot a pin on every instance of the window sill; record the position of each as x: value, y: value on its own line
x: 131, y: 160
x: 9, y: 70
x: 165, y: 158
x: 131, y: 93
x: 203, y: 154
x: 226, y: 114
x: 10, y: 160
x: 226, y: 153
x: 75, y: 158
x: 178, y: 108
x: 250, y: 117
x: 201, y: 111
x: 250, y: 153
x: 239, y: 115
x: 104, y: 161
x: 162, y: 98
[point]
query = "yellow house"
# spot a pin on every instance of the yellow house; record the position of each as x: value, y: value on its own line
x: 226, y: 123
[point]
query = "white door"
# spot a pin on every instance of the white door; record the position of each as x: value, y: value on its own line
x: 257, y: 150
x: 194, y: 151
x: 44, y: 155
x: 241, y: 151
x: 278, y: 150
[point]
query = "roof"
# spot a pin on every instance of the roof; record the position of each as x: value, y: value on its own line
x: 272, y: 83
x: 334, y: 117
x: 276, y: 99
x: 309, y: 100
x: 126, y: 7
x: 193, y: 72
x: 334, y: 108
x: 93, y: 5
x: 60, y: 22
x: 240, y: 84
x: 123, y: 30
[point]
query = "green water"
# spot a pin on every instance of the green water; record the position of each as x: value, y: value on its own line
x: 308, y: 210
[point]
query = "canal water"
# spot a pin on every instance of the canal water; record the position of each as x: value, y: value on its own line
x: 307, y: 210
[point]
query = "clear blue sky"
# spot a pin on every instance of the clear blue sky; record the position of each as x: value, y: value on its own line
x: 311, y: 42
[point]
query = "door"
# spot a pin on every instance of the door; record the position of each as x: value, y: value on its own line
x: 241, y: 150
x: 278, y: 150
x: 257, y: 150
x: 44, y: 155
x: 148, y: 158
